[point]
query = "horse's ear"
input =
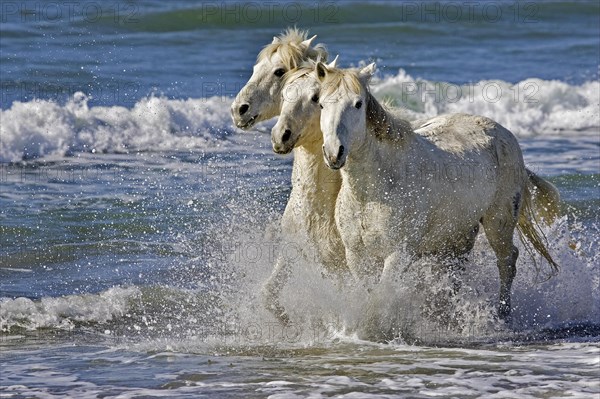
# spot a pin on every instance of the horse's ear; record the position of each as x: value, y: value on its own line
x: 308, y: 41
x: 333, y: 64
x: 275, y: 40
x: 367, y: 72
x: 321, y: 70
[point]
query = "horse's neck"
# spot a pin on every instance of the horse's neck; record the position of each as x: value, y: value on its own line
x: 383, y: 125
x: 313, y: 183
x: 386, y: 140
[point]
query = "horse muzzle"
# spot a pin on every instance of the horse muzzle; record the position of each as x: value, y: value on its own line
x: 336, y: 161
x: 245, y: 123
x: 241, y: 115
x: 281, y: 148
x: 282, y: 139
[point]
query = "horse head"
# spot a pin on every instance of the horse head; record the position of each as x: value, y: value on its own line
x: 299, y: 118
x: 343, y: 99
x: 260, y: 98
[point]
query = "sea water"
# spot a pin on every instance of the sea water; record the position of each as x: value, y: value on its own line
x: 137, y: 224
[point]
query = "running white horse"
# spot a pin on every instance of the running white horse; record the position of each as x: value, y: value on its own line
x: 309, y: 211
x: 423, y: 192
x: 260, y: 99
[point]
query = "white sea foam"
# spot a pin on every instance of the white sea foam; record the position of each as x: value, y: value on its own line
x: 64, y: 312
x: 530, y: 107
x: 41, y: 127
x: 347, y: 371
x: 413, y: 307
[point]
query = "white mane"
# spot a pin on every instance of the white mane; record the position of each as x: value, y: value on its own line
x: 289, y: 47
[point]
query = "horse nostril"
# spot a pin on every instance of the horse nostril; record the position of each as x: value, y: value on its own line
x: 286, y: 135
x: 340, y: 152
x: 244, y: 108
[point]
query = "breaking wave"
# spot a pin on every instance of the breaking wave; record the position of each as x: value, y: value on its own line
x: 41, y: 128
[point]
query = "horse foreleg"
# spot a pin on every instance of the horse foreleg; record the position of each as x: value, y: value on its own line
x: 363, y: 268
x: 391, y: 267
x: 381, y: 319
x: 271, y: 290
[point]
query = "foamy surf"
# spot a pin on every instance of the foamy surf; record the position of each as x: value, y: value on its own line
x: 527, y: 108
x: 65, y: 312
x: 41, y: 128
x: 562, y: 370
x: 416, y: 307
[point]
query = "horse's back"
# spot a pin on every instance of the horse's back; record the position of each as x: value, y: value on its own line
x: 460, y: 133
x: 474, y: 138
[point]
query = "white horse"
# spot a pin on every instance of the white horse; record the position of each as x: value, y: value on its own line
x: 424, y: 192
x: 260, y: 98
x: 309, y: 211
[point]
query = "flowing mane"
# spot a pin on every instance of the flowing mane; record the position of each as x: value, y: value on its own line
x: 304, y: 68
x: 290, y: 48
x: 383, y: 125
x: 379, y: 121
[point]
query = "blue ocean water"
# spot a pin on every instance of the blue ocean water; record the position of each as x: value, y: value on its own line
x: 119, y: 52
x: 137, y: 224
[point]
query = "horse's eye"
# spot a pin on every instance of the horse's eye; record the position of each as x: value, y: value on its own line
x: 358, y: 105
x: 321, y: 106
x: 315, y: 99
x: 279, y: 72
